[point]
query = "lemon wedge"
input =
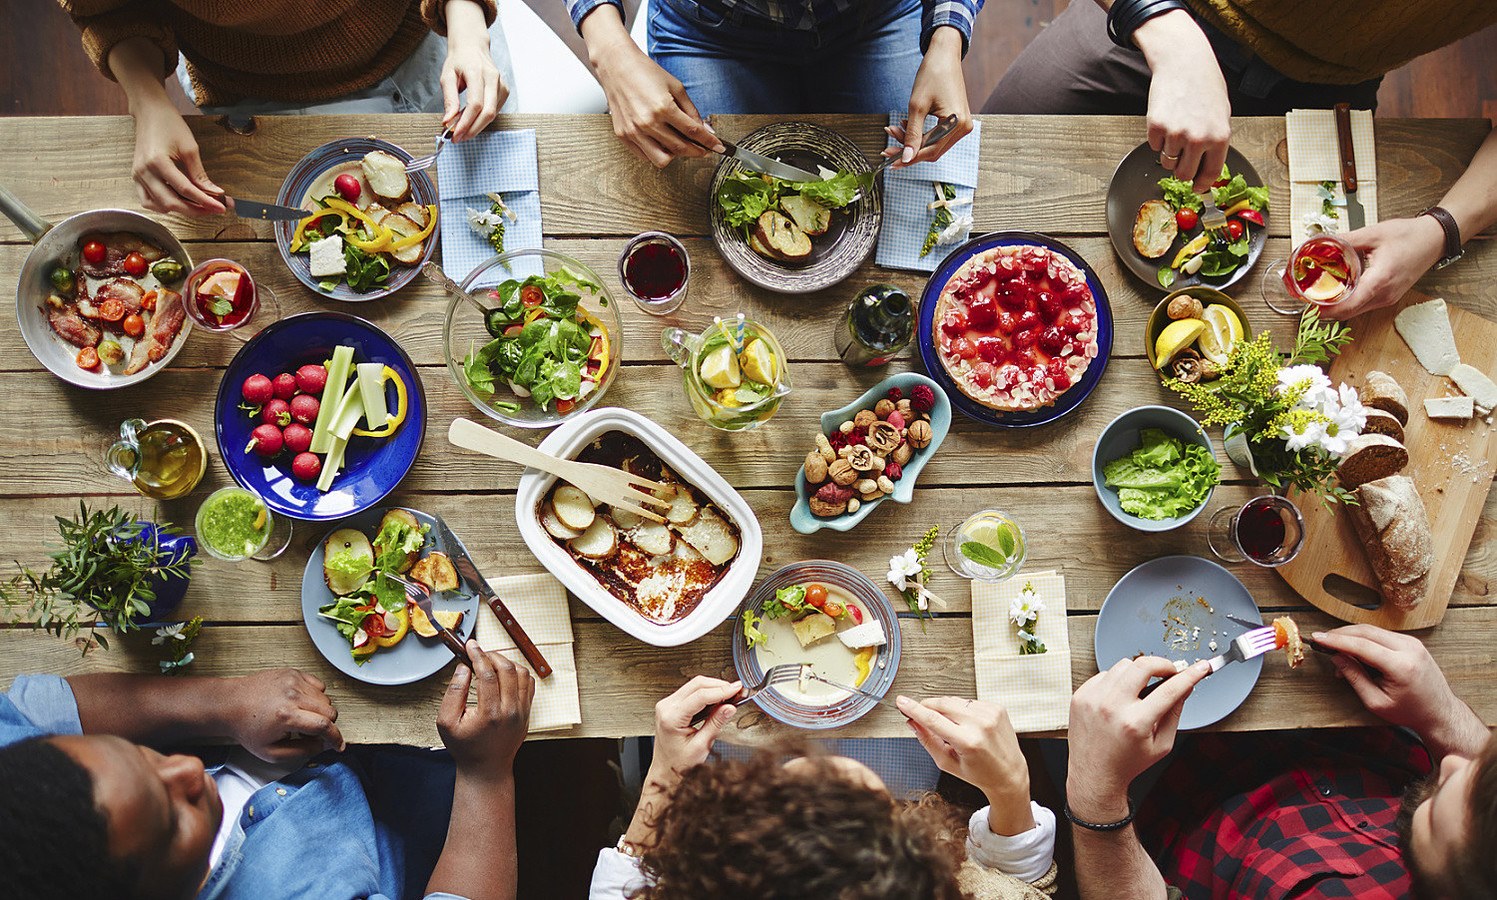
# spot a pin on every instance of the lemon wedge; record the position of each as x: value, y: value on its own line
x: 1175, y: 337
x: 1223, y: 331
x: 720, y: 368
x: 1325, y: 288
x: 758, y: 362
x: 1000, y: 537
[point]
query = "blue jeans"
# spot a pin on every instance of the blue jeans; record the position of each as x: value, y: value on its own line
x: 862, y: 61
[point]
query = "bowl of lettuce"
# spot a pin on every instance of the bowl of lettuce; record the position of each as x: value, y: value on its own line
x: 1154, y: 468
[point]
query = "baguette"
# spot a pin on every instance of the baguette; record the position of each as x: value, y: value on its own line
x: 1380, y: 422
x: 1394, y: 527
x: 1370, y: 457
x: 1381, y: 392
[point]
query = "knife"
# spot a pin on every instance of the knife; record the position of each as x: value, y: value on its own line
x: 254, y: 209
x: 476, y: 583
x: 853, y: 690
x: 453, y: 642
x: 1356, y: 216
x: 760, y: 163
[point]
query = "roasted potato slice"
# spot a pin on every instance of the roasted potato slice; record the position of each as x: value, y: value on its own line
x: 553, y: 525
x: 386, y: 175
x: 573, y: 507
x: 1154, y: 229
x: 343, y: 543
x: 435, y: 571
x: 599, y: 541
x: 712, y: 536
x: 653, y: 538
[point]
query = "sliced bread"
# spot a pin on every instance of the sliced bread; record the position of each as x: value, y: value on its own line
x: 1380, y: 391
x: 1370, y: 457
x: 1393, y: 524
x: 1379, y: 422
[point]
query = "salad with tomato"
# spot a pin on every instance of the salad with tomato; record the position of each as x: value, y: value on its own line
x: 1212, y: 254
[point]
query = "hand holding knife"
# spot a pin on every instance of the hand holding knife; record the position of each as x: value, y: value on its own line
x: 475, y: 582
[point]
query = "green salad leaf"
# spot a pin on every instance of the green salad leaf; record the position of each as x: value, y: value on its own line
x: 751, y: 632
x: 745, y: 196
x: 833, y: 193
x: 347, y: 563
x: 345, y: 614
x: 395, y: 542
x: 366, y: 271
x: 787, y: 601
x: 1236, y: 190
x: 388, y: 593
x: 1163, y: 477
x: 545, y: 358
x: 1179, y: 194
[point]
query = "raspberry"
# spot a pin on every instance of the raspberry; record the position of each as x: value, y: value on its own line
x: 837, y: 439
x: 894, y: 470
x: 895, y: 394
x: 923, y: 398
x: 832, y: 492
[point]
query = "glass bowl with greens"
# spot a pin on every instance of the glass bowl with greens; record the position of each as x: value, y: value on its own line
x: 545, y: 344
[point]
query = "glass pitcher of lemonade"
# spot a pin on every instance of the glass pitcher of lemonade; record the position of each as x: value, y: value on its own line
x: 734, y: 372
x: 164, y: 459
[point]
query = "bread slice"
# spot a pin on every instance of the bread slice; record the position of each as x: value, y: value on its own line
x: 1370, y: 457
x: 808, y: 215
x: 1154, y: 229
x: 1459, y: 409
x: 1379, y: 422
x: 1425, y: 327
x: 386, y: 175
x: 1393, y: 524
x: 1380, y: 391
x: 782, y: 238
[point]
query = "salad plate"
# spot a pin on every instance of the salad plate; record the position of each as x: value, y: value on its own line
x: 1177, y: 607
x: 414, y: 657
x: 1142, y: 435
x: 371, y: 468
x: 930, y: 355
x: 1136, y: 181
x: 840, y: 242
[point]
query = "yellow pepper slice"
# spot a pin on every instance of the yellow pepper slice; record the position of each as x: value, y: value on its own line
x: 301, y: 228
x: 592, y: 320
x: 418, y: 237
x: 863, y: 659
x: 344, y: 206
x: 1237, y: 207
x: 401, y: 406
x: 380, y: 243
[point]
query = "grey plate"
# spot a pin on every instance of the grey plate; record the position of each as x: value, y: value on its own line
x: 1136, y: 180
x: 834, y: 255
x: 1132, y: 621
x: 415, y: 657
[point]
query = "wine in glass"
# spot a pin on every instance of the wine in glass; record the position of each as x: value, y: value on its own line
x: 1267, y: 530
x: 1322, y: 271
x: 220, y: 295
x: 655, y: 269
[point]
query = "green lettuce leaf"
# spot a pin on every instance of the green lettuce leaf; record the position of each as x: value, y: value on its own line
x: 833, y: 193
x: 1163, y: 477
x: 1179, y: 194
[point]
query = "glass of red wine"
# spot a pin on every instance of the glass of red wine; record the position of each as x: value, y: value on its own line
x: 655, y: 269
x: 1322, y: 271
x: 1266, y: 530
x: 221, y: 296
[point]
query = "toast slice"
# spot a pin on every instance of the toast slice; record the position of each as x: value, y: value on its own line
x: 782, y: 238
x: 1370, y: 457
x: 1154, y: 229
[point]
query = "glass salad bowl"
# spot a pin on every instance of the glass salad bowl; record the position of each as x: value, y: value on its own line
x: 549, y: 330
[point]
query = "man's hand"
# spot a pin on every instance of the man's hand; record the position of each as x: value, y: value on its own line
x: 282, y: 714
x: 975, y: 741
x: 1115, y: 736
x: 939, y: 90
x: 1396, y: 679
x: 484, y: 738
x: 1395, y: 254
x: 469, y: 67
x: 167, y: 169
x: 1189, y: 113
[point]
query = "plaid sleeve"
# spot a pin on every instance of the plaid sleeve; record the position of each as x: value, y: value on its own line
x: 959, y: 14
x: 579, y: 9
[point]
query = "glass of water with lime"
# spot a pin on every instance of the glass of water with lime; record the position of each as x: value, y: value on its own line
x: 988, y: 546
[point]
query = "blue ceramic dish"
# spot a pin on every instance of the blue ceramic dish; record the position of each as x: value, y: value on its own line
x: 801, y: 518
x: 885, y: 666
x: 926, y: 338
x: 305, y: 173
x: 1121, y: 437
x: 372, y: 467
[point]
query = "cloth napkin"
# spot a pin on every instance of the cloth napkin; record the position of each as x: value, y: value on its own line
x: 1035, y: 689
x: 502, y: 162
x: 909, y: 191
x: 1315, y: 156
x: 539, y: 604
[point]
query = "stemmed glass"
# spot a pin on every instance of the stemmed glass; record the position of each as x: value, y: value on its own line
x: 221, y: 296
x: 1322, y: 271
x: 1267, y: 530
x: 988, y: 546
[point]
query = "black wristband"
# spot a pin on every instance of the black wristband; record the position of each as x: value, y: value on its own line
x: 1124, y: 17
x: 1093, y: 826
x: 1452, y: 231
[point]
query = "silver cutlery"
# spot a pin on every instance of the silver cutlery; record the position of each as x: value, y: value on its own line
x: 781, y: 674
x: 1246, y: 646
x: 854, y: 690
x: 1315, y: 645
x: 420, y: 594
x: 430, y: 159
x: 758, y: 162
x: 255, y: 209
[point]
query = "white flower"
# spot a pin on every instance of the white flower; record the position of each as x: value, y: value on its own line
x: 1313, y: 433
x: 958, y: 229
x: 1026, y: 607
x: 1333, y: 441
x: 167, y: 632
x: 1317, y: 393
x: 905, y: 571
x: 1320, y: 223
x: 1351, y: 417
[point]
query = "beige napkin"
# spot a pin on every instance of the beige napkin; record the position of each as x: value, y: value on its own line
x: 539, y: 604
x: 1035, y: 689
x: 1315, y: 156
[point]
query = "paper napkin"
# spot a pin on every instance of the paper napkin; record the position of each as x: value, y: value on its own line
x: 539, y: 604
x: 1315, y: 157
x: 1035, y: 689
x: 502, y: 162
x: 908, y: 193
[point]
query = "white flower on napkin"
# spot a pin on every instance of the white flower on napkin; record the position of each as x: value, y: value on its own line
x: 1025, y: 608
x: 905, y: 571
x: 958, y: 230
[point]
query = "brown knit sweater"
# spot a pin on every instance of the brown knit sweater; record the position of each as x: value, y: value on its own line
x: 1344, y: 41
x: 290, y: 50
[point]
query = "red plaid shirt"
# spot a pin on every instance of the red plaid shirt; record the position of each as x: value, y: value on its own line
x: 1282, y: 814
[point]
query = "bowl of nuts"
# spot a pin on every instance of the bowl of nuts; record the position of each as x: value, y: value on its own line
x: 869, y: 450
x: 1191, y: 333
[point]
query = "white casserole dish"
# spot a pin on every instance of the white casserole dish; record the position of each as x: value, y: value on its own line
x: 718, y: 604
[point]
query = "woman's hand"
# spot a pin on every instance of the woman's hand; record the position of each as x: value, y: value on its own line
x: 469, y: 67
x: 678, y: 744
x: 281, y: 715
x: 975, y: 741
x: 1395, y: 254
x: 939, y: 90
x: 167, y: 169
x: 1189, y: 113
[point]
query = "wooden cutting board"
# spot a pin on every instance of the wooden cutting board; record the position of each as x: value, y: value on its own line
x: 1451, y: 463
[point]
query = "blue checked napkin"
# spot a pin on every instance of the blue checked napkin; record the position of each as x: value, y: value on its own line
x: 495, y: 161
x: 910, y: 190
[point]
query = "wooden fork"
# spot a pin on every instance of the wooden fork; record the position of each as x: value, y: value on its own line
x: 604, y: 484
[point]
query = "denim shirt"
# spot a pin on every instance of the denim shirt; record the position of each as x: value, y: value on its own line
x: 366, y: 823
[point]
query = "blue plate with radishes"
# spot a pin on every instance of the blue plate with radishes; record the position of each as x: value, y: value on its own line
x: 320, y: 414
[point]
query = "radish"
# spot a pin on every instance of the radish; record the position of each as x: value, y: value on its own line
x: 392, y: 622
x: 298, y: 437
x: 266, y: 441
x: 285, y: 386
x: 304, y: 408
x: 276, y: 412
x: 311, y: 379
x: 347, y: 187
x: 360, y: 638
x: 257, y: 390
x: 306, y: 466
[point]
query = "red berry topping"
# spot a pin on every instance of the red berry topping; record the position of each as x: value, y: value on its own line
x: 894, y: 470
x: 982, y: 313
x: 922, y: 398
x: 896, y: 394
x: 1052, y: 339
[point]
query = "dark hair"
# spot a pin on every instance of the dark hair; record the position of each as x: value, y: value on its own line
x: 757, y: 830
x: 1474, y: 866
x: 54, y: 842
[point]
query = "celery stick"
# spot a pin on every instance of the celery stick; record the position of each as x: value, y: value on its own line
x: 350, y: 410
x: 332, y: 464
x: 372, y: 390
x: 337, y: 381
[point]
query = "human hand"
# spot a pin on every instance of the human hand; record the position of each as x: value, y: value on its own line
x: 483, y: 739
x: 470, y: 67
x: 651, y: 113
x: 1115, y: 736
x: 680, y: 746
x: 1189, y: 112
x: 1395, y: 254
x: 939, y: 90
x: 975, y: 741
x: 167, y: 168
x: 282, y: 714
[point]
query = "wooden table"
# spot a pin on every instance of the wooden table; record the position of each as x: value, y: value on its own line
x: 1041, y: 174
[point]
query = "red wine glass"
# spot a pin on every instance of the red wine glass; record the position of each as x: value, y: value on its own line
x: 655, y: 269
x: 1267, y: 531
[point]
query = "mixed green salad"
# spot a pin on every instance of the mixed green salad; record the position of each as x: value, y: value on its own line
x: 779, y: 218
x: 1213, y: 254
x: 1162, y: 478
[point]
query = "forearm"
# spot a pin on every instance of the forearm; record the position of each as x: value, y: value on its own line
x: 1111, y: 863
x: 466, y: 22
x: 478, y: 859
x: 1009, y: 812
x: 151, y: 709
x: 602, y: 30
x: 1473, y: 197
x: 653, y: 799
x: 1172, y: 37
x: 136, y: 64
x: 1459, y: 732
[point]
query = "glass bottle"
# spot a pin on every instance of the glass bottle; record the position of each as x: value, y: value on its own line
x: 878, y: 324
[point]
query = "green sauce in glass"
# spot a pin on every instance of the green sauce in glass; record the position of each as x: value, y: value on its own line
x: 233, y: 523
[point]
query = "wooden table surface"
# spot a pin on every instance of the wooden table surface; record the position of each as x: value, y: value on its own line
x: 1041, y: 174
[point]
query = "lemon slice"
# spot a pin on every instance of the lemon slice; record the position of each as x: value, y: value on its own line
x: 1175, y: 337
x: 720, y: 368
x: 1223, y: 331
x: 1000, y: 537
x: 758, y: 362
x: 1325, y: 288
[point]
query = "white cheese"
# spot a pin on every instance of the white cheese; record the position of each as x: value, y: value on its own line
x: 1475, y: 384
x: 1449, y: 408
x: 869, y: 634
x: 1425, y: 327
x: 327, y: 257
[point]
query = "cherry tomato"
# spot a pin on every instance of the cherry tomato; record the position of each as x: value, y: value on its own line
x: 111, y: 310
x: 148, y: 301
x: 834, y: 609
x: 134, y: 325
x: 88, y: 358
x: 532, y: 295
x: 1234, y: 229
x: 374, y: 625
x: 512, y: 330
x: 816, y: 595
x: 565, y: 406
x: 94, y: 253
x: 135, y: 265
x: 1186, y: 218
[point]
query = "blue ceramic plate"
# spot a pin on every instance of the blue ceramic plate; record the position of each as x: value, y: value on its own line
x: 415, y: 657
x: 851, y: 708
x: 1063, y: 404
x: 801, y: 518
x: 305, y: 173
x: 1121, y: 437
x: 1155, y: 610
x: 372, y: 467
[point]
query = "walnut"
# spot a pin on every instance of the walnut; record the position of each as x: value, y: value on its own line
x: 816, y: 468
x: 865, y: 486
x: 883, y: 408
x: 824, y: 448
x: 853, y: 503
x: 1185, y: 307
x: 920, y: 435
x: 861, y: 458
x: 1191, y: 368
x: 883, y: 437
x: 842, y: 472
x: 903, y: 453
x: 845, y: 452
x: 864, y: 419
x: 825, y: 510
x: 905, y: 408
x: 885, y: 484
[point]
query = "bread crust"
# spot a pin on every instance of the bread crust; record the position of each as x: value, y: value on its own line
x: 1393, y: 524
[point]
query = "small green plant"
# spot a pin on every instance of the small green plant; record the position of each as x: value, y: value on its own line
x: 177, y: 640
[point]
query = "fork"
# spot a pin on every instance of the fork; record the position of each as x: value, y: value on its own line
x: 853, y: 690
x: 1246, y: 646
x: 1211, y: 217
x: 430, y: 159
x: 784, y: 673
x: 420, y: 595
x: 604, y: 484
x: 1315, y: 645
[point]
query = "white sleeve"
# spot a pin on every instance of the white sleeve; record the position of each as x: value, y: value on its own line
x: 617, y: 876
x: 1025, y: 856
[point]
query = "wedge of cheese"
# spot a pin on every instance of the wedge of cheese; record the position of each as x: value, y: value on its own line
x: 327, y: 257
x: 1425, y: 327
x: 1460, y: 408
x: 1475, y: 384
x: 868, y: 634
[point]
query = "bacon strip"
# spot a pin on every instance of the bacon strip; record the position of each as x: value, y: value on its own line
x: 166, y: 322
x: 72, y: 327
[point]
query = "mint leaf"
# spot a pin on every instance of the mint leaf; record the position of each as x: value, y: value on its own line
x: 983, y: 555
x: 221, y: 307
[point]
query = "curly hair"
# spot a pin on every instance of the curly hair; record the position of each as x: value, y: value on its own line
x: 754, y: 829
